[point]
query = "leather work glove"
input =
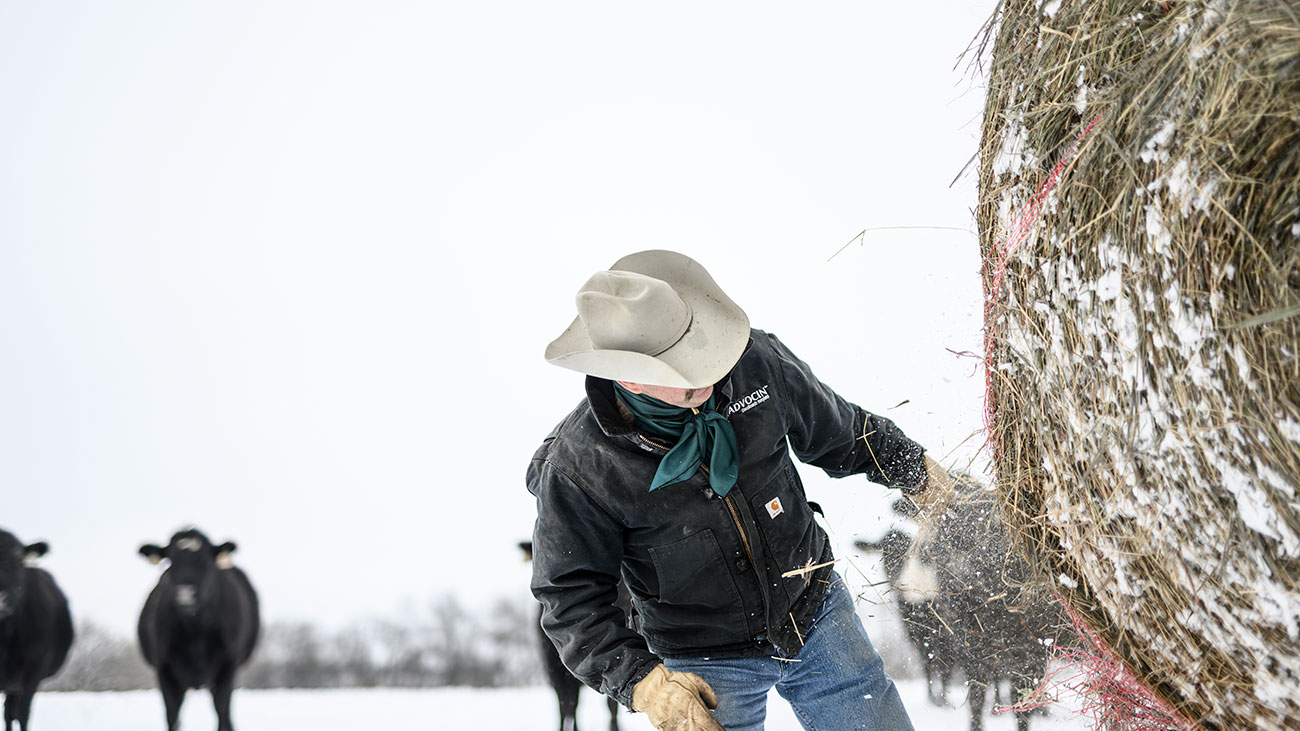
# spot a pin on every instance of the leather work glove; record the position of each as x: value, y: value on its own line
x: 937, y: 489
x: 676, y: 701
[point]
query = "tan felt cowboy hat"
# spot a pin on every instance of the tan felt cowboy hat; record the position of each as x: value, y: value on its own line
x: 656, y: 317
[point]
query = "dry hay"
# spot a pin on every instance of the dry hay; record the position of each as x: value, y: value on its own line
x: 1143, y: 327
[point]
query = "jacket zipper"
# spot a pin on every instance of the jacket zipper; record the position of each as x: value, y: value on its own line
x: 744, y: 539
x: 740, y: 529
x: 731, y: 509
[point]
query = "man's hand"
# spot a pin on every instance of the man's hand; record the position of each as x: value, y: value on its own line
x: 938, y: 489
x: 676, y: 701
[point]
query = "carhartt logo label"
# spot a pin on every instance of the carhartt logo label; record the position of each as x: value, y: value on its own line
x: 741, y: 405
x: 774, y: 507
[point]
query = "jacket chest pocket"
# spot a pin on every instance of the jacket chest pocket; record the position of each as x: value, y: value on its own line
x: 692, y: 572
x: 698, y: 603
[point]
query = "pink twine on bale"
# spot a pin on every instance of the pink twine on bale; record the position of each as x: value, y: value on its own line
x: 1115, y: 697
x: 1024, y: 223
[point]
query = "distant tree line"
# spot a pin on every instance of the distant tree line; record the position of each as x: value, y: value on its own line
x: 447, y: 645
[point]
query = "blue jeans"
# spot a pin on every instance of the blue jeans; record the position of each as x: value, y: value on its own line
x: 836, y: 682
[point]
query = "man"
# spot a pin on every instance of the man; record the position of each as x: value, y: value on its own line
x: 674, y: 474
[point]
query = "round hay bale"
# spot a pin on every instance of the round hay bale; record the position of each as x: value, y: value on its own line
x: 1140, y: 225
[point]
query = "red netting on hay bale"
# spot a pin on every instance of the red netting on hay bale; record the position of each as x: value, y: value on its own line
x: 1025, y: 221
x: 1113, y: 697
x: 1119, y: 701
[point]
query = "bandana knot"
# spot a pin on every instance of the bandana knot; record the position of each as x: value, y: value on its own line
x: 699, y: 432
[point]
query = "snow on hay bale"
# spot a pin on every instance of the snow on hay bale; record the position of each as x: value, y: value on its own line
x: 1140, y: 226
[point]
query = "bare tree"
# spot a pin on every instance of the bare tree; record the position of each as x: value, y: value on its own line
x: 446, y: 645
x: 101, y: 661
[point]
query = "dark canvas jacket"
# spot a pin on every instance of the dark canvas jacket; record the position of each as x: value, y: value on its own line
x: 705, y: 572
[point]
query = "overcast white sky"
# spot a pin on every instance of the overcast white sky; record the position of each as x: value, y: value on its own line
x: 286, y: 270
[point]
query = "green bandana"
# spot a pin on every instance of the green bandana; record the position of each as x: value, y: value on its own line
x: 698, y: 432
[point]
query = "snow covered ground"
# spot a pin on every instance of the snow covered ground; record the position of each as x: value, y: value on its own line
x: 513, y: 709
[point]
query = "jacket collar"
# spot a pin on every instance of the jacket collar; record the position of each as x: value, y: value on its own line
x: 605, y: 407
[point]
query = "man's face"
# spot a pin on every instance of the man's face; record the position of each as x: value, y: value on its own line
x: 685, y: 398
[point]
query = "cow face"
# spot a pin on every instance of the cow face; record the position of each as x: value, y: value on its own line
x: 14, y: 557
x: 909, y: 570
x: 958, y: 551
x: 194, y: 562
x: 919, y: 579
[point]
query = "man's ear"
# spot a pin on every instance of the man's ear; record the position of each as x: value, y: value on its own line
x: 152, y: 552
x: 223, y: 555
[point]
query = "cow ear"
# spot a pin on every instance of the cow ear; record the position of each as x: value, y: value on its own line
x: 904, y: 507
x: 152, y: 552
x: 223, y: 555
x: 35, y: 551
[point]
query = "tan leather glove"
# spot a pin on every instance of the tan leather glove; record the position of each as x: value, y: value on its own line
x: 676, y: 701
x: 939, y: 489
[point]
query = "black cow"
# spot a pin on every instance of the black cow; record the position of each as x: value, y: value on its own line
x: 199, y: 624
x: 963, y: 571
x: 566, y: 686
x: 35, y: 627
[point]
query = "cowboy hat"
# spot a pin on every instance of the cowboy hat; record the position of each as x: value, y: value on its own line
x: 656, y: 318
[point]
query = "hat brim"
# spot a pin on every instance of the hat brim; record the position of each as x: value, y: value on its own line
x: 710, y: 347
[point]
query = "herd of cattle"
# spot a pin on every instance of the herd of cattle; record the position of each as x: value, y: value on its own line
x: 198, y: 625
x: 954, y: 580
